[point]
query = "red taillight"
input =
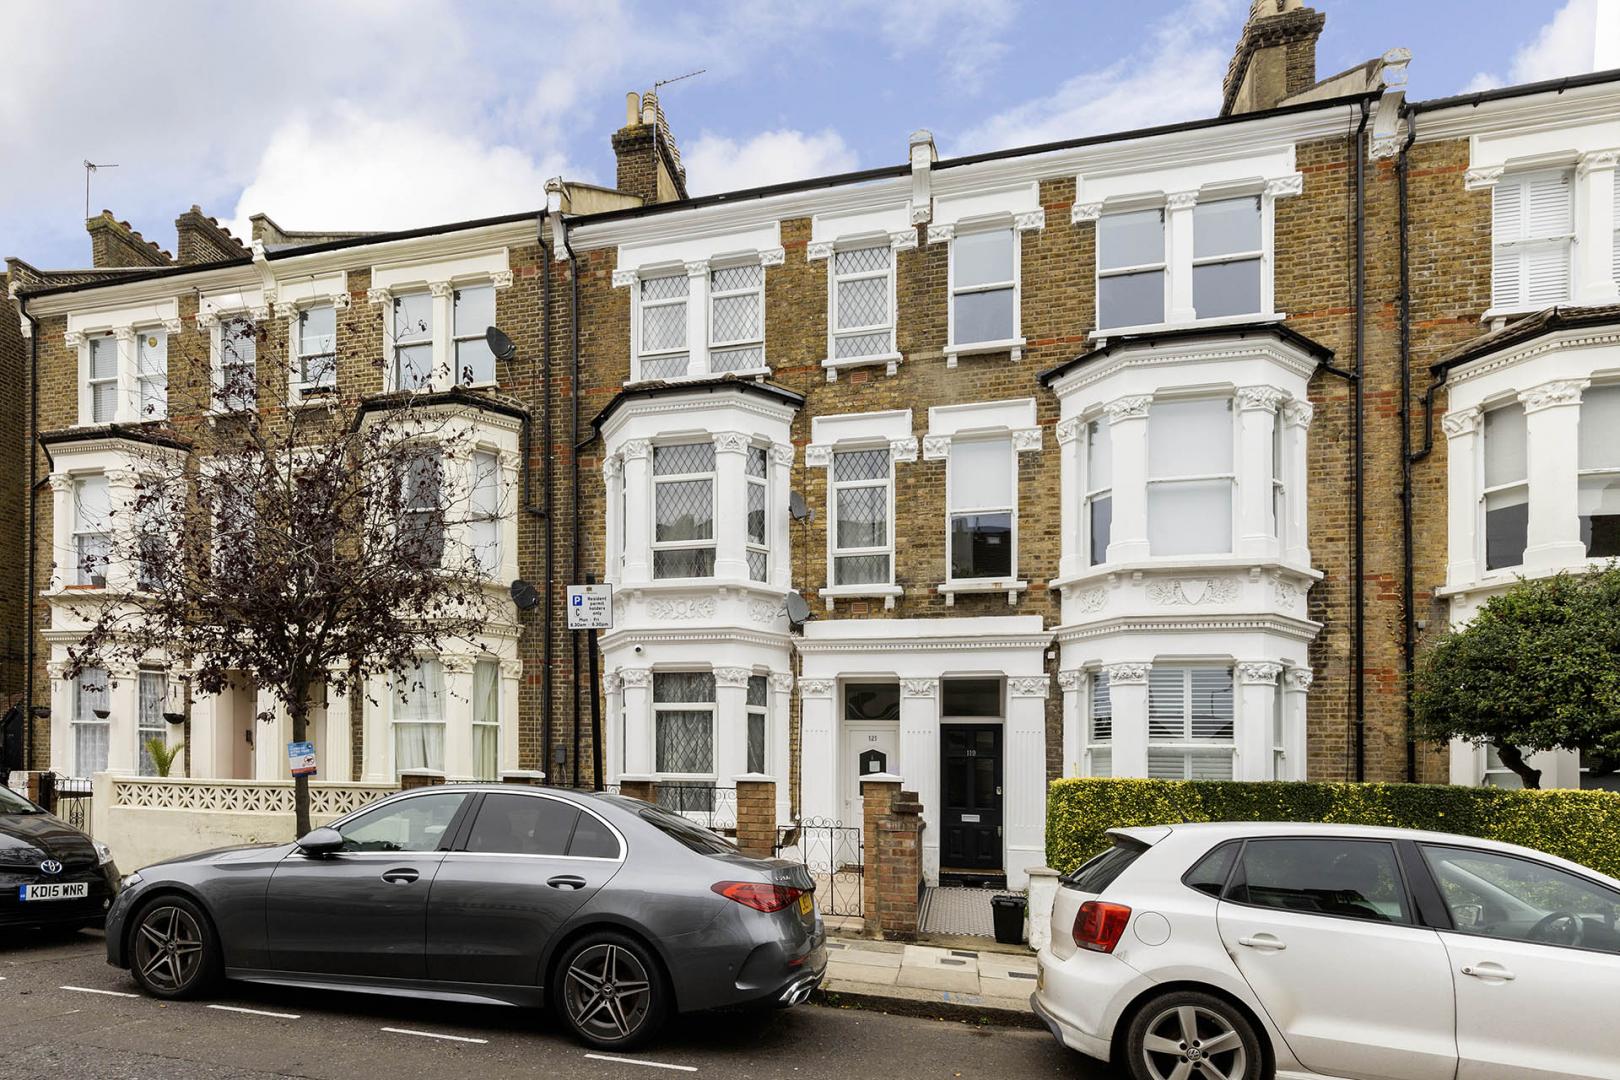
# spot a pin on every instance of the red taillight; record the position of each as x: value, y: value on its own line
x: 1098, y: 926
x: 757, y: 895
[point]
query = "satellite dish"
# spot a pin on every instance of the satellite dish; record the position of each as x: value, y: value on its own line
x: 524, y: 595
x: 798, y: 612
x: 499, y: 343
x: 798, y: 509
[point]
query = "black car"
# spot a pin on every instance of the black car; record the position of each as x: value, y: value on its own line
x: 51, y: 874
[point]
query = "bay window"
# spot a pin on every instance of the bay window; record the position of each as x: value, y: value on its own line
x: 984, y: 283
x: 758, y: 699
x: 1191, y: 734
x: 152, y: 374
x: 1190, y: 477
x: 1507, y: 487
x: 862, y: 541
x: 1099, y: 490
x: 486, y: 719
x: 103, y: 379
x: 92, y: 530
x: 1226, y: 257
x: 1131, y: 268
x: 662, y: 349
x: 238, y: 352
x: 1099, y: 743
x: 983, y: 505
x: 1532, y: 232
x: 472, y: 313
x: 1599, y: 489
x: 149, y: 722
x: 683, y: 510
x: 757, y: 541
x: 413, y: 341
x: 484, y: 513
x: 90, y: 731
x: 419, y: 717
x: 317, y: 347
x: 862, y: 313
x: 683, y: 722
x: 737, y: 318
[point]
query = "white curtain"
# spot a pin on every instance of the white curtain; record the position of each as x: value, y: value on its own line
x: 486, y: 719
x: 90, y: 731
x: 419, y: 717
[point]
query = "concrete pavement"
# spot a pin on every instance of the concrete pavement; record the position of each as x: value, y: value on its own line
x: 65, y: 1013
x: 971, y: 981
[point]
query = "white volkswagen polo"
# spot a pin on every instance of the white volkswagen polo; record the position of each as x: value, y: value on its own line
x: 1228, y: 951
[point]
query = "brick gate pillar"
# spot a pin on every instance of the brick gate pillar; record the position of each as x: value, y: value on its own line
x: 417, y: 778
x: 645, y: 790
x: 531, y: 777
x: 892, y: 830
x: 756, y: 814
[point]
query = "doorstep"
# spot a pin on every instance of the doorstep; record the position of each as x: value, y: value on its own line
x: 976, y: 983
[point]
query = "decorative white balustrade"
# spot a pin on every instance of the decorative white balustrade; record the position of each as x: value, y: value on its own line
x: 241, y: 796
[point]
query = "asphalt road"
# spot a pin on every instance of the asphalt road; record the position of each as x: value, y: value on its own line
x: 65, y: 1014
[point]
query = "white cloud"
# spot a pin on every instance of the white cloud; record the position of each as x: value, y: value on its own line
x: 1567, y: 45
x: 717, y: 163
x: 1175, y: 76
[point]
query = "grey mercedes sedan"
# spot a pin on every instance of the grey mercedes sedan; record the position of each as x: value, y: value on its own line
x: 615, y: 912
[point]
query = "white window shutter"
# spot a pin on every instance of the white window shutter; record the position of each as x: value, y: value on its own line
x: 1507, y: 210
x: 1506, y: 280
x: 1548, y: 213
x: 1546, y: 273
x: 1614, y: 253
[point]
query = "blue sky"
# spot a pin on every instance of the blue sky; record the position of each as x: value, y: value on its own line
x: 395, y: 113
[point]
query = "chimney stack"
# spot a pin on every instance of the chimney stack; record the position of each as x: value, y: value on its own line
x: 649, y: 162
x: 114, y: 243
x: 1275, y: 56
x: 202, y: 239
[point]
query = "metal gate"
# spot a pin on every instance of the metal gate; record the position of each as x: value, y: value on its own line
x: 68, y: 798
x: 835, y: 856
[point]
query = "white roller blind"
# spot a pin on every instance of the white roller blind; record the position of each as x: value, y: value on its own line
x: 981, y: 473
x: 1614, y: 252
x: 1505, y: 461
x: 1190, y: 438
x: 1600, y: 428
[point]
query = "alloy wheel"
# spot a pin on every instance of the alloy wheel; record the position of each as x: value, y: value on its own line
x: 608, y: 992
x: 168, y: 948
x: 1189, y: 1042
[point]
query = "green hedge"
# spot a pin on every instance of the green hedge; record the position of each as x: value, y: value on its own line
x: 1583, y: 826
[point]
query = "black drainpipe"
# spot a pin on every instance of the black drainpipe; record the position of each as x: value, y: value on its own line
x: 33, y: 532
x: 546, y: 604
x: 1408, y: 571
x: 1359, y: 598
x: 573, y: 465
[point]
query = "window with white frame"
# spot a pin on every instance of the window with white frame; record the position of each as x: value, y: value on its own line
x: 1506, y: 495
x: 862, y: 302
x: 418, y: 721
x: 1278, y: 743
x: 984, y: 286
x: 486, y: 719
x: 1099, y: 490
x: 983, y: 509
x: 683, y: 722
x: 1598, y: 494
x: 1614, y: 250
x: 317, y: 347
x: 757, y: 541
x: 484, y: 513
x: 152, y: 373
x: 421, y: 524
x: 1533, y: 233
x: 92, y: 530
x: 863, y: 543
x: 236, y: 523
x: 758, y: 699
x: 154, y: 514
x: 149, y: 722
x: 662, y: 351
x: 737, y: 318
x: 413, y: 341
x: 90, y: 722
x: 102, y: 379
x: 1191, y: 733
x: 237, y: 364
x: 1131, y: 268
x: 1100, y: 737
x: 1279, y: 491
x: 1226, y: 257
x: 1190, y: 477
x: 473, y: 313
x: 683, y: 510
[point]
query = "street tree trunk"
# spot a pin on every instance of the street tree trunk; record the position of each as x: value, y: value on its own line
x: 1513, y: 758
x: 300, y: 731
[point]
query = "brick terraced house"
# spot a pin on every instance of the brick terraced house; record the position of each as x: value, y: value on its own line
x: 1145, y: 454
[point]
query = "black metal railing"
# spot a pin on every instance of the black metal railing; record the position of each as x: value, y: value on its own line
x: 68, y: 797
x: 835, y: 855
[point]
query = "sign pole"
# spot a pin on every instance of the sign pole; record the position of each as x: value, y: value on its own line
x: 590, y: 608
x: 596, y: 702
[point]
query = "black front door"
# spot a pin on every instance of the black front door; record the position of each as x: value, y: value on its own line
x: 970, y: 758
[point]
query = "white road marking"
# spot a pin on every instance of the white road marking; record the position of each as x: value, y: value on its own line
x: 255, y: 1012
x: 649, y: 1064
x: 434, y: 1035
x: 93, y: 990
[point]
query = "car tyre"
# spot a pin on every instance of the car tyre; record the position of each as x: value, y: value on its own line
x: 174, y: 953
x: 610, y: 992
x: 1178, y: 1031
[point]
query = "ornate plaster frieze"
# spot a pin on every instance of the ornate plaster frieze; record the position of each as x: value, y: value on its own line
x: 1068, y: 680
x: 1036, y: 686
x: 1193, y: 591
x: 681, y: 608
x: 1127, y: 674
x: 1128, y: 408
x: 734, y: 677
x: 919, y: 688
x: 1460, y: 422
x: 1262, y: 398
x: 1258, y: 672
x: 815, y: 688
x: 1548, y: 395
x: 903, y: 449
x: 1299, y: 678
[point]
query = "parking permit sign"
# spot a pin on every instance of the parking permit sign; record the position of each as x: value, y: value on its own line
x: 301, y: 758
x: 590, y: 607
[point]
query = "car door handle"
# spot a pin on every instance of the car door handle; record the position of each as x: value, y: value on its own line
x: 402, y: 876
x: 1264, y: 941
x: 566, y: 881
x: 1489, y: 970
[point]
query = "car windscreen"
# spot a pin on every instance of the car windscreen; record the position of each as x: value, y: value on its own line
x: 1099, y: 872
x: 12, y: 803
x: 686, y: 833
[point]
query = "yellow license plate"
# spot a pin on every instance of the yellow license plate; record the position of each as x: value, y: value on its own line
x: 807, y: 904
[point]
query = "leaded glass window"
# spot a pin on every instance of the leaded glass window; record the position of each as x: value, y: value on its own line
x: 1191, y: 733
x: 862, y: 538
x: 683, y: 722
x: 862, y: 294
x: 757, y: 539
x: 683, y: 510
x: 737, y: 318
x: 662, y: 348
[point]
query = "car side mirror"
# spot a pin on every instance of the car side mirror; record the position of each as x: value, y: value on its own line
x: 1468, y: 916
x: 322, y: 841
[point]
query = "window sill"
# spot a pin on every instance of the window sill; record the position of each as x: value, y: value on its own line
x: 1015, y: 346
x: 951, y: 589
x: 887, y: 593
x: 889, y: 361
x: 1100, y: 335
x: 741, y: 373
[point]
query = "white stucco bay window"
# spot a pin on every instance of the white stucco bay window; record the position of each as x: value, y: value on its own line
x: 452, y: 712
x: 981, y: 443
x: 434, y: 318
x: 984, y: 229
x: 860, y: 452
x: 123, y: 361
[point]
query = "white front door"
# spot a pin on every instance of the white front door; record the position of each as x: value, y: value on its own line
x: 1324, y: 933
x: 1536, y: 959
x: 868, y: 748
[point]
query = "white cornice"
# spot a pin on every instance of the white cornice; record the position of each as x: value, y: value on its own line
x: 1282, y: 625
x: 923, y: 644
x: 1586, y: 338
x: 699, y: 404
x: 1532, y: 112
x: 1151, y: 354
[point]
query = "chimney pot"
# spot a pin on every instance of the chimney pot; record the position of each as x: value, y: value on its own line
x: 632, y: 109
